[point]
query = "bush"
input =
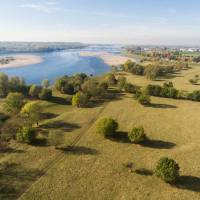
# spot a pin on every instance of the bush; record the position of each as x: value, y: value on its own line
x: 153, y: 90
x: 121, y: 82
x: 45, y: 94
x: 167, y: 169
x: 31, y: 113
x: 14, y: 102
x: 35, y: 91
x: 144, y: 99
x: 80, y: 100
x: 130, y: 88
x: 134, y: 68
x: 26, y: 135
x: 107, y: 127
x: 194, y: 96
x: 111, y: 79
x: 94, y: 89
x: 137, y: 135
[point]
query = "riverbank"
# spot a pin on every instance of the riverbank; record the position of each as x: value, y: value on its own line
x: 108, y: 58
x: 20, y: 61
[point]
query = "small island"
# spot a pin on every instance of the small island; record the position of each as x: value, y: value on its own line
x: 19, y: 61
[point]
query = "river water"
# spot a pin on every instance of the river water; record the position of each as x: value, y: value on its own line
x: 68, y: 62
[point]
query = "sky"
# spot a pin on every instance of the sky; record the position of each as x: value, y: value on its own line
x: 167, y: 22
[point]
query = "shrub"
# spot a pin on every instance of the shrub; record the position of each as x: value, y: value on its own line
x: 111, y: 79
x: 94, y: 89
x: 144, y: 99
x: 134, y: 68
x: 137, y: 135
x: 80, y: 100
x: 31, y: 112
x: 3, y: 85
x: 121, y: 82
x: 130, y: 88
x: 167, y: 169
x: 107, y: 127
x: 45, y: 94
x: 194, y: 96
x: 45, y: 83
x: 153, y: 71
x: 26, y: 135
x: 153, y: 90
x: 64, y: 85
x: 14, y: 102
x: 35, y: 91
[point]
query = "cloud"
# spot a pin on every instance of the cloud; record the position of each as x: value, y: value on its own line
x: 46, y: 7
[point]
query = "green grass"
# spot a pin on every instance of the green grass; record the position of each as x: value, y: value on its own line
x: 180, y: 80
x: 193, y: 54
x: 94, y: 168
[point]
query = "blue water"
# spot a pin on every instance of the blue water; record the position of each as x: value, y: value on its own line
x: 56, y: 64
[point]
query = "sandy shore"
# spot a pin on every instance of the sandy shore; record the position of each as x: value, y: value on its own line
x: 108, y: 58
x: 22, y: 60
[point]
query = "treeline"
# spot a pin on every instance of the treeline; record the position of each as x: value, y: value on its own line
x: 17, y: 84
x: 168, y: 91
x: 85, y: 88
x: 154, y: 70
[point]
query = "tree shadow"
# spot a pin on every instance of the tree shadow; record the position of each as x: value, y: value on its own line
x: 40, y: 142
x: 191, y: 183
x: 7, y: 149
x: 144, y: 172
x: 48, y: 115
x: 61, y: 125
x: 119, y: 137
x: 80, y: 150
x: 4, y: 117
x: 163, y: 106
x: 59, y: 100
x: 14, y: 179
x: 158, y: 144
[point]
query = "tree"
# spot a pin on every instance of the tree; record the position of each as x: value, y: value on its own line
x: 17, y: 84
x: 45, y: 83
x: 144, y: 99
x: 45, y: 94
x: 35, y: 91
x: 26, y: 135
x: 153, y: 90
x: 167, y: 169
x: 194, y: 96
x: 4, y: 85
x: 93, y: 89
x: 111, y: 79
x: 14, y: 102
x: 65, y: 85
x: 121, y: 82
x: 130, y: 88
x: 80, y: 100
x: 107, y: 127
x: 31, y: 113
x: 153, y: 71
x: 137, y: 135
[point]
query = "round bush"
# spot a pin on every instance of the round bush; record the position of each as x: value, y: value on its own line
x: 144, y: 99
x: 26, y: 135
x: 167, y: 169
x: 45, y: 94
x: 80, y: 100
x: 137, y: 135
x: 107, y: 127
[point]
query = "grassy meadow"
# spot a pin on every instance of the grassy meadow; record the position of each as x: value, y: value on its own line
x: 94, y: 168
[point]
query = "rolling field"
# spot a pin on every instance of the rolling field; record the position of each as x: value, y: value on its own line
x: 94, y: 168
x: 180, y: 80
